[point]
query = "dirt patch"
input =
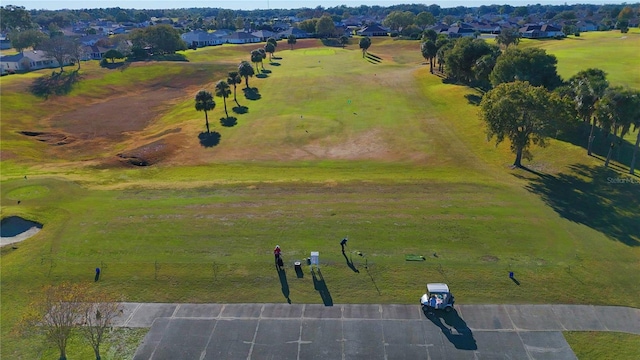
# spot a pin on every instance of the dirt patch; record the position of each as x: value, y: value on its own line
x: 114, y: 117
x: 148, y: 154
x: 51, y: 138
x: 368, y: 145
x: 166, y: 132
x: 490, y: 258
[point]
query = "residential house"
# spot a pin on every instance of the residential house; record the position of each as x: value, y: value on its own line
x: 486, y: 27
x: 343, y: 30
x: 201, y: 38
x: 373, y: 30
x: 455, y: 32
x: 586, y: 25
x: 90, y: 40
x: 4, y: 43
x: 264, y: 35
x: 438, y: 28
x: 299, y: 34
x: 532, y: 31
x: 28, y: 60
x: 240, y: 37
x: 93, y: 52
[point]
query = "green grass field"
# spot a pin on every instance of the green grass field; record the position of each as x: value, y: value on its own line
x: 336, y: 146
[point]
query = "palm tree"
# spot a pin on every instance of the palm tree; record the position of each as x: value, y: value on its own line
x: 274, y: 42
x: 224, y: 91
x: 615, y: 111
x: 234, y: 79
x: 256, y: 58
x: 636, y: 127
x: 245, y: 70
x: 587, y: 88
x: 344, y: 40
x: 291, y: 40
x: 443, y: 44
x: 264, y: 56
x: 365, y: 43
x: 268, y: 47
x: 429, y: 52
x: 204, y: 102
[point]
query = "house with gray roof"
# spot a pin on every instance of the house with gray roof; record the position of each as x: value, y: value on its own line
x: 299, y: 34
x: 373, y: 30
x: 264, y: 35
x: 28, y: 60
x: 201, y: 38
x: 533, y: 31
x: 240, y: 37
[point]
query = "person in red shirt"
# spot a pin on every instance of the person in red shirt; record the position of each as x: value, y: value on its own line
x: 278, y: 259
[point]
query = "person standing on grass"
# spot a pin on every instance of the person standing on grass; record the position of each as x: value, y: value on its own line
x: 276, y: 253
x: 343, y: 243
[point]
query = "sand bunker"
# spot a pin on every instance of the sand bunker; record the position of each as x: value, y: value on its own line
x: 14, y: 229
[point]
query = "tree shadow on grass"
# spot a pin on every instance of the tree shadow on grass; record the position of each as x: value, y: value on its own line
x: 473, y: 99
x: 274, y: 64
x: 262, y: 76
x: 252, y: 93
x: 579, y: 136
x: 113, y: 65
x: 240, y: 109
x: 228, y: 121
x: 266, y: 71
x: 597, y: 197
x: 276, y: 58
x: 58, y: 83
x: 209, y: 139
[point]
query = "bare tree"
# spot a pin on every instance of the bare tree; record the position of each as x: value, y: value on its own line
x: 98, y: 318
x: 56, y: 313
x: 76, y: 52
x: 60, y: 48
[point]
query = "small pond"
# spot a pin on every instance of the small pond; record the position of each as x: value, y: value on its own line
x: 14, y: 225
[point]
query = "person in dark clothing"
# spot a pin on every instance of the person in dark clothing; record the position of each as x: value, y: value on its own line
x: 343, y: 243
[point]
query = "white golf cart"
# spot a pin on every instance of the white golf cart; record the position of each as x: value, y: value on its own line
x: 437, y: 297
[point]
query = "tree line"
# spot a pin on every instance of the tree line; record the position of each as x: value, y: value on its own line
x: 204, y: 99
x: 525, y: 99
x: 227, y: 18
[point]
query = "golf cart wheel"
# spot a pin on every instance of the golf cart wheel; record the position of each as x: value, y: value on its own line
x: 448, y: 309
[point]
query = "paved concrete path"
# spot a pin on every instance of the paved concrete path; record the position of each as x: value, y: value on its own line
x: 364, y: 331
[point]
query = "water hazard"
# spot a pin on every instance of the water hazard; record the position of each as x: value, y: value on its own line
x: 14, y: 225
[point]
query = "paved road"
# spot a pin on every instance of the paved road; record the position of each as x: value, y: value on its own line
x: 312, y: 331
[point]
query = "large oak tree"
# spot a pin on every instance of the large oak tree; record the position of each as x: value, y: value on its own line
x: 522, y: 113
x: 162, y: 39
x: 533, y: 65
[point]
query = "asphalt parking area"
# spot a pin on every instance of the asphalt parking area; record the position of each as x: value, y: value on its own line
x: 313, y: 331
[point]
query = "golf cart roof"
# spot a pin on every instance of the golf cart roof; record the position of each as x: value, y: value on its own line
x: 437, y: 288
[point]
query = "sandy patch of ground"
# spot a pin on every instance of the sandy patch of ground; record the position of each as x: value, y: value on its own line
x: 367, y: 145
x: 20, y: 237
x: 114, y: 117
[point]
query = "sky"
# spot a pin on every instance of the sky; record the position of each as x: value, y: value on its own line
x: 263, y: 4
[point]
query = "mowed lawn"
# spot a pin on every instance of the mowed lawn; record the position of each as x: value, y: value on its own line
x: 611, y: 51
x: 381, y: 152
